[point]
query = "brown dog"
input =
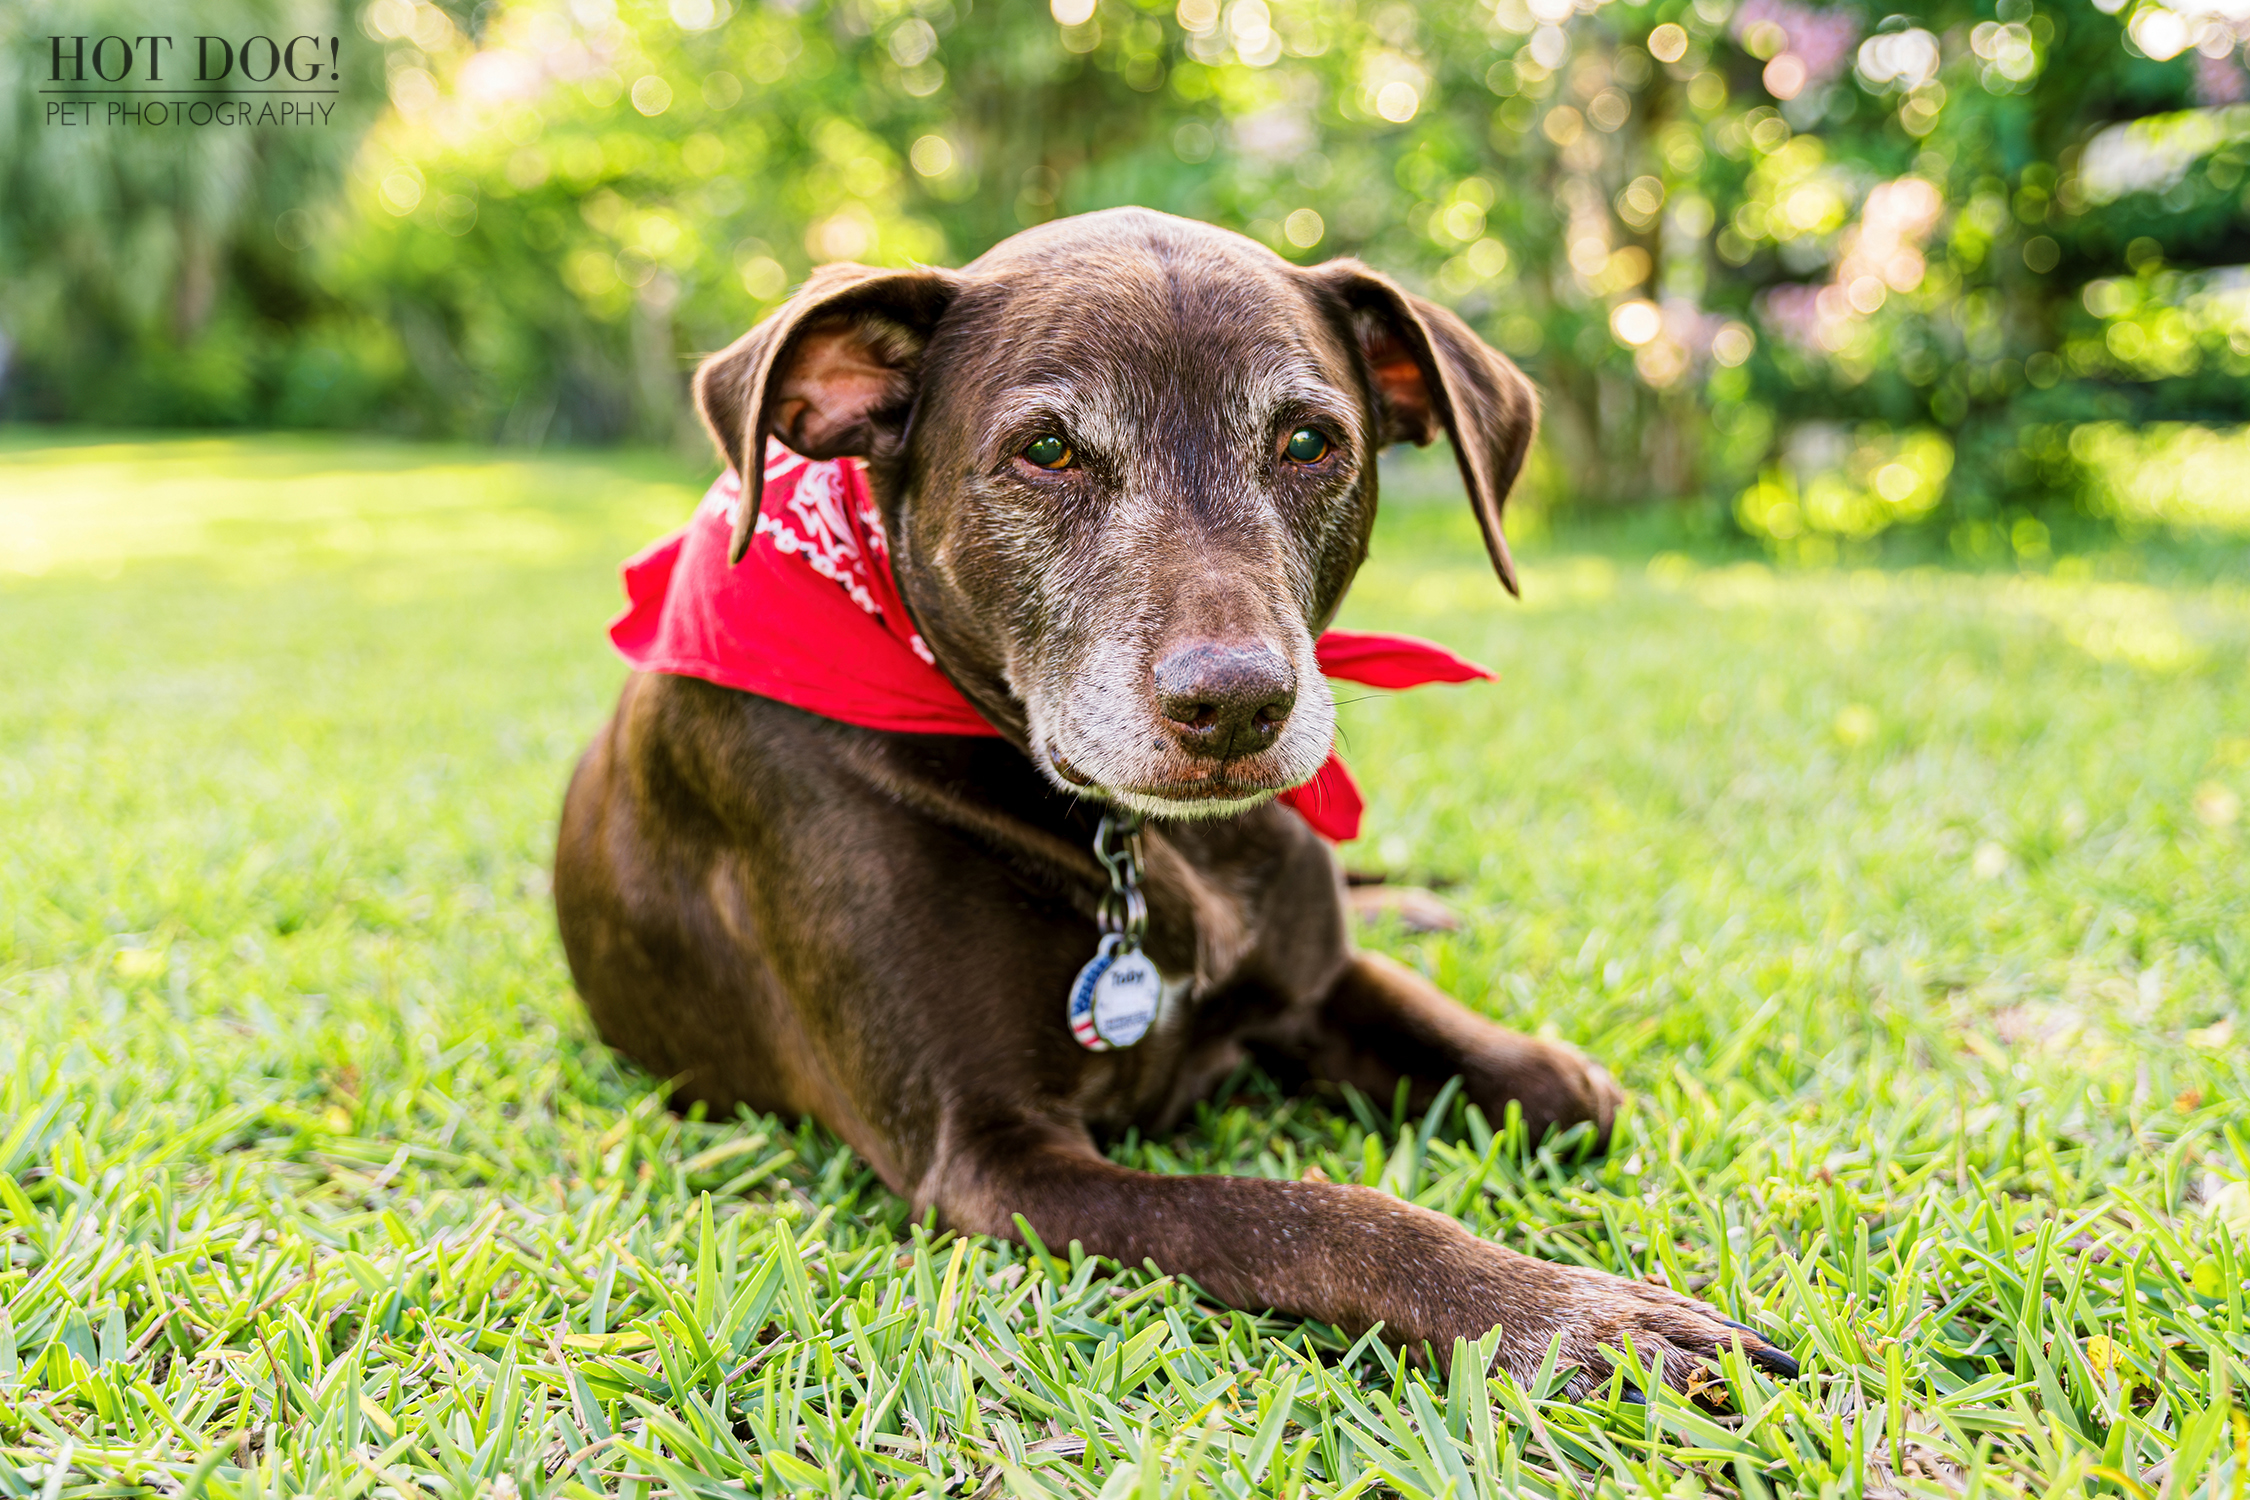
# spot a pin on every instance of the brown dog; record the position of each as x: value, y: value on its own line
x: 1090, y: 453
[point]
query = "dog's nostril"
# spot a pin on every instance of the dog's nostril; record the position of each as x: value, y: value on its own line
x: 1225, y: 698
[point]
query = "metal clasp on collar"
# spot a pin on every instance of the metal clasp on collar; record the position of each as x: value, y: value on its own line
x: 1123, y: 909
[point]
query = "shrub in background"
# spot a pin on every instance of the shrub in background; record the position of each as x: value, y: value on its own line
x: 1775, y: 258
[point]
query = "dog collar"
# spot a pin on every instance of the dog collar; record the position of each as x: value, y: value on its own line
x: 1115, y: 998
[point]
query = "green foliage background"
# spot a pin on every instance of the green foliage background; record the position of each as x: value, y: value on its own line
x: 1828, y: 270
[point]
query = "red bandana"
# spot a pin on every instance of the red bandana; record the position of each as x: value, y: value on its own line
x: 811, y: 617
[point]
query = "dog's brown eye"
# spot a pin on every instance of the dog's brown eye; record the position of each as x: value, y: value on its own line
x: 1306, y: 446
x: 1049, y: 452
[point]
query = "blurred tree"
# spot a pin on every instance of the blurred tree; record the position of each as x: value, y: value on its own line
x: 148, y: 261
x: 1946, y: 261
x: 1829, y: 271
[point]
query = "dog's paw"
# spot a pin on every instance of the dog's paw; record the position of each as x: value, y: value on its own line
x: 1410, y: 906
x: 1556, y: 1085
x: 1675, y: 1336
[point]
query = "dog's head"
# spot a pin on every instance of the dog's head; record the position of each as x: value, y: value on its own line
x: 1127, y: 466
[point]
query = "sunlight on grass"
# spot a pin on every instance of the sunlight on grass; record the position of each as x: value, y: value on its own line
x: 1910, y: 905
x: 253, y: 504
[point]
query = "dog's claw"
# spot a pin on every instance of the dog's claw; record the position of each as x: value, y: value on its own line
x: 1764, y: 1353
x: 1774, y: 1362
x: 1682, y: 1339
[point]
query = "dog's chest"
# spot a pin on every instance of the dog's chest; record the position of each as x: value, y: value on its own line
x: 1153, y: 1084
x: 1122, y: 1084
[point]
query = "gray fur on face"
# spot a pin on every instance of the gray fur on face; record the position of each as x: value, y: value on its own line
x: 1179, y: 522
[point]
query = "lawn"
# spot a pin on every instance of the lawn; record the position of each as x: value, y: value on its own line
x: 1911, y: 904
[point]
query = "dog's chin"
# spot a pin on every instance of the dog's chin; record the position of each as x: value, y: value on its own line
x: 1200, y: 805
x: 1184, y: 792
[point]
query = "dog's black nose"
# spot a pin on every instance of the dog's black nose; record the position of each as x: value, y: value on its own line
x: 1225, y: 700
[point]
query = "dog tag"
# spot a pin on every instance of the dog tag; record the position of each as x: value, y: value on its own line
x: 1114, y: 1002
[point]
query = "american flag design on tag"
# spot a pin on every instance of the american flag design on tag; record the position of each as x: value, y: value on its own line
x: 1116, y: 997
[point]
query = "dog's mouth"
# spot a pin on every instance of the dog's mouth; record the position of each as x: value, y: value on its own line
x: 1210, y: 789
x: 1223, y: 789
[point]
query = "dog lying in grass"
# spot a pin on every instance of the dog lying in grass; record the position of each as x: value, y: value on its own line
x: 1106, y: 488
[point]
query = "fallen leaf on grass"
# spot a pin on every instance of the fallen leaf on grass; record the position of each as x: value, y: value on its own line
x: 1707, y: 1387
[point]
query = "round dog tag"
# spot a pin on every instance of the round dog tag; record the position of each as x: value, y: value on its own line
x: 1114, y: 1001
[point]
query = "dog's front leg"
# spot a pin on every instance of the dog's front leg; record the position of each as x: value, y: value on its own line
x: 1382, y: 1022
x: 1351, y: 1256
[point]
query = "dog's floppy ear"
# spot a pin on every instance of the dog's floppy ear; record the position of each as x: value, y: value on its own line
x: 832, y: 372
x: 1430, y: 372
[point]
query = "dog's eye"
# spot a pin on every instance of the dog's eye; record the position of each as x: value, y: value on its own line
x: 1048, y: 452
x: 1306, y: 446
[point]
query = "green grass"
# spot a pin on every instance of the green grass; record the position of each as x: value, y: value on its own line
x: 1912, y: 905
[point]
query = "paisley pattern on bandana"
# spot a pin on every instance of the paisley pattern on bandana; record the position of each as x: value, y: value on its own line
x: 831, y: 526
